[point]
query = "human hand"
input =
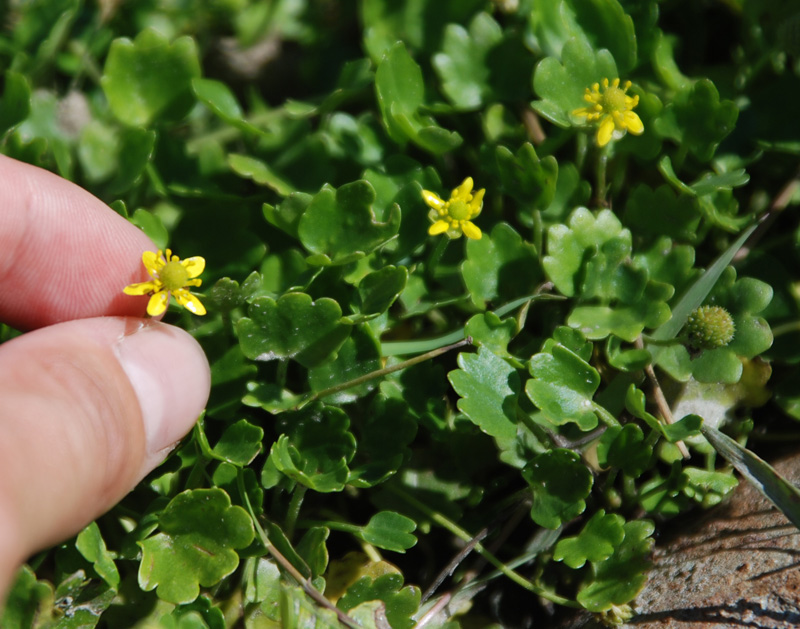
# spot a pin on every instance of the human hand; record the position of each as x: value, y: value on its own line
x: 94, y: 396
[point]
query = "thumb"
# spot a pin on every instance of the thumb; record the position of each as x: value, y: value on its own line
x: 88, y: 408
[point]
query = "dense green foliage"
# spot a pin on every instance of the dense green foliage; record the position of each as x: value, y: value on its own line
x: 380, y: 390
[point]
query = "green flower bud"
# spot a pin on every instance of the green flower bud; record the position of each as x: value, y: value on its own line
x: 710, y: 327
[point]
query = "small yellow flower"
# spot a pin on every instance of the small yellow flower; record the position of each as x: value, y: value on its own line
x: 613, y: 108
x: 170, y: 276
x: 455, y: 216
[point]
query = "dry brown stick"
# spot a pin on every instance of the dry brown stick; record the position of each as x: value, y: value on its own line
x: 661, y: 400
x: 287, y: 565
x: 532, y: 126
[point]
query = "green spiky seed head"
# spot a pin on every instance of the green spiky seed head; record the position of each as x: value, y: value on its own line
x: 710, y: 327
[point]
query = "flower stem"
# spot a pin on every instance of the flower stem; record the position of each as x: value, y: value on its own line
x: 397, y: 348
x: 607, y: 418
x: 601, y: 166
x: 309, y: 589
x: 436, y: 256
x: 379, y: 373
x: 294, y: 509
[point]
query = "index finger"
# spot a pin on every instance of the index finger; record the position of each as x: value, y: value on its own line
x: 64, y: 254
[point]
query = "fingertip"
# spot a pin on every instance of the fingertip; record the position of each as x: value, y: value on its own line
x: 170, y: 375
x: 89, y: 408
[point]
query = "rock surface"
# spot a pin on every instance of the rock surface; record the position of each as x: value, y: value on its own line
x: 737, y: 566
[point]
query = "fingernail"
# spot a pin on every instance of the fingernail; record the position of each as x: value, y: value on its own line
x: 170, y: 375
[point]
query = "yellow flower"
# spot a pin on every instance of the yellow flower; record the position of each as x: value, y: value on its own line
x: 455, y: 216
x: 613, y: 108
x: 170, y: 276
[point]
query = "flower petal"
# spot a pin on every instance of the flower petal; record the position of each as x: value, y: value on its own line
x: 471, y: 230
x: 140, y: 288
x: 189, y: 301
x: 464, y: 189
x: 158, y: 303
x: 432, y: 199
x: 152, y: 262
x: 439, y: 227
x: 605, y: 131
x: 476, y: 204
x: 633, y: 123
x: 194, y: 266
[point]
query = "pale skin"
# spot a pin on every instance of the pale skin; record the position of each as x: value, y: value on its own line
x: 95, y: 394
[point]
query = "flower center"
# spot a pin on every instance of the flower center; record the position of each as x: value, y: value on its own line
x: 173, y: 276
x: 458, y: 210
x: 614, y: 99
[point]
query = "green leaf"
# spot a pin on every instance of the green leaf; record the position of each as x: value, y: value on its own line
x: 698, y: 119
x: 661, y: 212
x: 683, y: 429
x: 525, y: 177
x: 712, y: 182
x: 618, y: 579
x: 252, y: 168
x: 708, y: 487
x: 96, y: 151
x: 717, y: 365
x: 572, y: 339
x: 200, y: 531
x: 417, y: 22
x: 606, y: 25
x: 285, y: 216
x: 26, y: 601
x: 294, y: 326
x: 400, y: 89
x: 149, y: 78
x: 664, y: 496
x: 340, y: 226
x: 16, y: 102
x: 489, y: 331
x: 91, y: 545
x: 500, y: 267
x: 239, y: 444
x: 628, y: 360
x: 561, y: 85
x: 462, y: 65
x: 585, y: 234
x: 563, y: 386
x: 401, y: 602
x: 358, y: 356
x: 482, y: 64
x: 597, y: 541
x: 390, y: 531
x: 560, y: 482
x: 219, y: 98
x: 489, y: 388
x: 387, y: 432
x: 379, y: 290
x: 597, y: 23
x: 136, y: 148
x: 627, y: 322
x: 299, y: 611
x: 151, y: 225
x: 313, y: 550
x: 624, y: 448
x: 80, y: 601
x: 315, y: 448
